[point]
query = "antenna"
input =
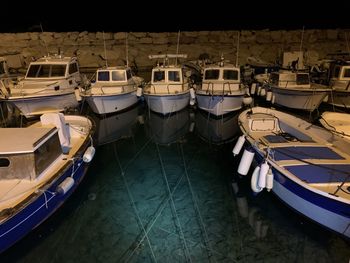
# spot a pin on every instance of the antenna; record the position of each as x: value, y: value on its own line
x: 42, y: 31
x: 177, y: 47
x: 104, y: 45
x: 302, y: 37
x: 126, y: 49
x: 237, y: 49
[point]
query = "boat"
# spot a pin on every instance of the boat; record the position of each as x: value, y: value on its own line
x: 166, y: 130
x: 336, y: 122
x: 221, y: 91
x: 339, y: 82
x: 294, y: 90
x: 169, y: 88
x: 216, y: 130
x: 303, y: 164
x: 51, y: 84
x: 116, y: 126
x: 40, y: 167
x: 114, y: 90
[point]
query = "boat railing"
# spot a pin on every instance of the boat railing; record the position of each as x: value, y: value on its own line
x: 167, y: 86
x: 226, y: 86
x: 124, y: 88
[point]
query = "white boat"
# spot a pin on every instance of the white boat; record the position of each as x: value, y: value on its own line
x: 305, y: 165
x: 336, y: 122
x: 50, y: 85
x: 221, y: 91
x: 339, y: 83
x: 40, y: 167
x: 294, y: 90
x: 113, y: 91
x: 169, y: 88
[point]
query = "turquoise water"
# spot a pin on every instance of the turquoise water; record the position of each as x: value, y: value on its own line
x: 164, y: 189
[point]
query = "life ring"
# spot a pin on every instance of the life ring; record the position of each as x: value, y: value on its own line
x: 254, y: 180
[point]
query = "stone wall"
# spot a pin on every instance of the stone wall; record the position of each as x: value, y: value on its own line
x: 89, y: 47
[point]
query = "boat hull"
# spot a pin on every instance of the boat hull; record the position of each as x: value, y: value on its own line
x: 166, y: 104
x: 339, y: 98
x: 308, y: 100
x: 31, y: 106
x: 104, y: 104
x: 219, y: 104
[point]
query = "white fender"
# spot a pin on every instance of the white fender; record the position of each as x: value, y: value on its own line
x: 273, y: 98
x: 258, y: 91
x: 268, y: 96
x: 66, y: 184
x: 245, y: 162
x: 247, y: 100
x: 254, y: 180
x: 269, y: 180
x: 239, y: 145
x: 192, y: 97
x: 262, y: 175
x: 139, y: 92
x: 89, y: 154
x: 262, y: 92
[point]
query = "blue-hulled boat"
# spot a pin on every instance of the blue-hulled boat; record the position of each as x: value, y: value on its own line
x: 40, y: 167
x: 305, y: 165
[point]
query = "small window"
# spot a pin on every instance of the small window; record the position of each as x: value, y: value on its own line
x: 174, y: 76
x: 230, y: 74
x: 73, y: 68
x: 2, y: 67
x: 103, y: 76
x: 158, y: 76
x: 274, y: 78
x: 118, y: 75
x: 58, y: 70
x: 212, y: 74
x: 347, y: 73
x: 4, y: 162
x: 303, y: 79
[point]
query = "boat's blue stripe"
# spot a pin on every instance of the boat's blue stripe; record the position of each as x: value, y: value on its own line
x: 310, y: 196
x: 304, y: 152
x: 325, y: 173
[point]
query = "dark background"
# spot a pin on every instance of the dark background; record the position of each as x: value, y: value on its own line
x: 164, y: 16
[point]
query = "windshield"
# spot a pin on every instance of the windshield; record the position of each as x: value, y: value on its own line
x: 46, y: 71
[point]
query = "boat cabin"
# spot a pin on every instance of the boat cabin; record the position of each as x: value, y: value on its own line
x: 113, y: 75
x: 290, y: 79
x: 340, y: 76
x: 34, y: 150
x: 53, y: 67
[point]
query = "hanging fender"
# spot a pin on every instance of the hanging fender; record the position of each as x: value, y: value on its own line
x: 254, y: 181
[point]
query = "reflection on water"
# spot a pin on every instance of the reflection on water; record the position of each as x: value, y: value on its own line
x: 159, y: 193
x: 168, y: 129
x: 217, y: 130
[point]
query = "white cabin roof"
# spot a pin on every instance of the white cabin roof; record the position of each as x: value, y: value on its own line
x: 22, y: 140
x: 54, y: 60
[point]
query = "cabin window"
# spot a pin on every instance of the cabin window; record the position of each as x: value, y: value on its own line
x: 302, y: 79
x: 46, y: 71
x: 230, y: 74
x: 212, y: 74
x: 158, y: 76
x: 58, y: 71
x: 47, y: 153
x: 347, y: 73
x: 128, y: 74
x: 174, y: 76
x: 73, y: 68
x: 103, y: 76
x: 4, y: 162
x: 118, y: 75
